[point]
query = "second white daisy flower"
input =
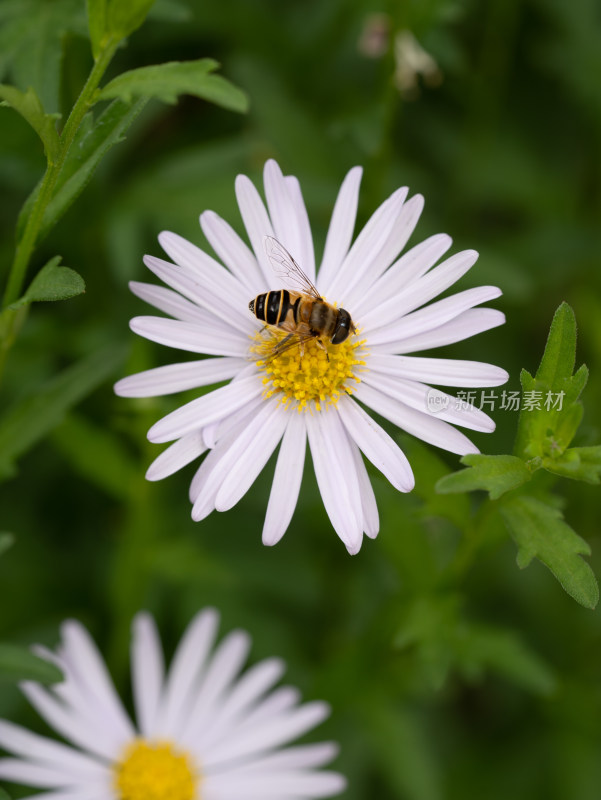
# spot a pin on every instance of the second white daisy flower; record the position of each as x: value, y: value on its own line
x: 203, y: 730
x: 316, y: 395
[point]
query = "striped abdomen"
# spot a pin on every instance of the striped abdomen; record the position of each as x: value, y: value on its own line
x: 272, y: 307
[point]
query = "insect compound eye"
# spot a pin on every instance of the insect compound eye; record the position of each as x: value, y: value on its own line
x: 251, y: 306
x: 343, y: 327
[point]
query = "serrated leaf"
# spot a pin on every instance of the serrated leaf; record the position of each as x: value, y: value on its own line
x: 96, y: 24
x: 123, y: 18
x: 551, y: 413
x: 28, y: 105
x: 19, y: 664
x: 578, y: 463
x: 494, y: 474
x: 34, y: 416
x: 167, y: 81
x: 6, y: 541
x: 558, y: 360
x: 92, y: 142
x: 540, y: 532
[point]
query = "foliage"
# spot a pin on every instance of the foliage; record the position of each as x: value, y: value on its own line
x: 451, y: 673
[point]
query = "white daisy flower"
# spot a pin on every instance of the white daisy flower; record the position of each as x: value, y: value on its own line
x: 203, y: 732
x: 316, y: 393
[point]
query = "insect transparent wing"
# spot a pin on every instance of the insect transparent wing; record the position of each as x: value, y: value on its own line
x: 290, y: 341
x: 286, y: 268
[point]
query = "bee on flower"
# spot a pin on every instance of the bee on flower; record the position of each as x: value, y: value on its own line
x: 306, y: 351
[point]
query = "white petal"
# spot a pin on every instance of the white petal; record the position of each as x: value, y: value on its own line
x: 246, y: 742
x: 170, y: 302
x: 44, y: 776
x: 431, y: 430
x: 433, y: 315
x: 219, y: 437
x: 415, y: 395
x: 176, y: 456
x: 367, y: 247
x: 80, y: 792
x: 376, y: 444
x: 289, y: 785
x: 221, y: 672
x: 304, y: 756
x: 223, y: 458
x: 281, y: 210
x: 22, y: 742
x: 97, y: 739
x: 466, y: 325
x: 251, y: 461
x: 272, y: 707
x: 200, y: 264
x: 420, y: 291
x: 179, y: 377
x: 246, y: 692
x: 286, y: 480
x: 147, y: 672
x: 234, y: 253
x: 257, y: 223
x: 442, y: 371
x: 218, y: 340
x: 206, y: 409
x: 84, y: 658
x: 411, y: 266
x: 339, y: 505
x: 306, y: 249
x: 188, y: 663
x: 401, y: 231
x: 206, y: 295
x: 342, y: 224
x: 371, y: 518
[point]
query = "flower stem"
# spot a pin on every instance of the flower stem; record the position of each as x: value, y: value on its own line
x: 27, y: 242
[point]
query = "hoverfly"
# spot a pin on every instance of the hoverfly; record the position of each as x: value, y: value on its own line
x: 302, y: 312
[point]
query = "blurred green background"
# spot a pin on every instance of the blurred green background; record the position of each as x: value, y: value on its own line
x: 447, y: 682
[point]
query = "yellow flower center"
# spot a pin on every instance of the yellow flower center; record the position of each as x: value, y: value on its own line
x: 314, y: 372
x: 155, y: 772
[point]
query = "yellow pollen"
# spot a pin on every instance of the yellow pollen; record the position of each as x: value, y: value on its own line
x: 309, y: 373
x: 154, y: 771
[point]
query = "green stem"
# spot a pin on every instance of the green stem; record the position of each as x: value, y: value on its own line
x: 27, y: 242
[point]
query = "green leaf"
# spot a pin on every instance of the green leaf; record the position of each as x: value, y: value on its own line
x: 579, y: 463
x: 4, y: 795
x: 123, y: 18
x: 93, y: 140
x: 494, y: 474
x: 96, y: 24
x: 52, y: 283
x: 167, y: 81
x: 29, y: 106
x: 540, y: 532
x: 19, y: 664
x: 558, y: 360
x: 551, y: 413
x: 97, y: 455
x: 36, y: 415
x: 6, y: 541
